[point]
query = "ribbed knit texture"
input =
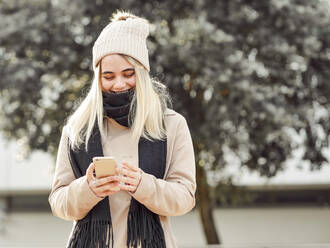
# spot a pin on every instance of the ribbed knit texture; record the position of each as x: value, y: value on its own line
x: 126, y: 37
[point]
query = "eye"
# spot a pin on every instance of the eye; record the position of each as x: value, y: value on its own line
x: 108, y: 78
x: 129, y: 75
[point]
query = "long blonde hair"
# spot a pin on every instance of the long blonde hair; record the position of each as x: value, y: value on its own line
x: 146, y: 114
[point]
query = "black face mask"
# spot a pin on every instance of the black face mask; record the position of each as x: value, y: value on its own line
x: 117, y: 105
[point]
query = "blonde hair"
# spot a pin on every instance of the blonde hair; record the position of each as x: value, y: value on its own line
x: 146, y: 114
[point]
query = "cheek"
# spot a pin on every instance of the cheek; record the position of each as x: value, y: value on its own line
x: 132, y: 81
x: 106, y: 84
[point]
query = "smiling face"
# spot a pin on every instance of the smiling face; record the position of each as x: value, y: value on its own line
x: 117, y: 74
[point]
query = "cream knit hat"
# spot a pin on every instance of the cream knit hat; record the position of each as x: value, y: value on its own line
x: 126, y: 35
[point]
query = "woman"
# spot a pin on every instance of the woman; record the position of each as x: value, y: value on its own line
x: 124, y: 114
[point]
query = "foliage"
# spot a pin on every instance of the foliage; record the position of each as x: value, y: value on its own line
x: 248, y: 75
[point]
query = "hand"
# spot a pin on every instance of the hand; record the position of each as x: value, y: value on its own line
x: 130, y: 177
x: 101, y: 187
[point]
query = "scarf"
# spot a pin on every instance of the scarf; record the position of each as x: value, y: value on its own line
x: 143, y: 226
x: 117, y: 105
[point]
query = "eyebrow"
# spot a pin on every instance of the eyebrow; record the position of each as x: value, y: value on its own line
x: 128, y: 69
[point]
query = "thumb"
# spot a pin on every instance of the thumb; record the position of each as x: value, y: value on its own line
x: 90, y: 170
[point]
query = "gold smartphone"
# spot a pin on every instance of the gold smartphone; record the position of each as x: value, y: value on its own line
x: 104, y: 166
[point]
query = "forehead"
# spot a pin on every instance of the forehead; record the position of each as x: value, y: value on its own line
x: 115, y: 63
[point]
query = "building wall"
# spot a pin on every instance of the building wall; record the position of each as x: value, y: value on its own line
x: 240, y: 226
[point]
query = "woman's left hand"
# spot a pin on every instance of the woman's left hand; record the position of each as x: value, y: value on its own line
x: 129, y: 176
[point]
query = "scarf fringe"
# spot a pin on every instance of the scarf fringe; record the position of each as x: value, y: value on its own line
x: 95, y: 233
x: 144, y: 228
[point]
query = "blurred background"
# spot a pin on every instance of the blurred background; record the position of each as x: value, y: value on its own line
x: 251, y: 77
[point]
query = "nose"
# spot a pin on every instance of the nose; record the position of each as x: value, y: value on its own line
x: 119, y: 84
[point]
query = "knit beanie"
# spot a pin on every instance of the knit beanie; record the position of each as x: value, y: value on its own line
x: 125, y: 34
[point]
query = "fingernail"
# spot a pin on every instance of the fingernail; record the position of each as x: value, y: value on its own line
x: 115, y: 188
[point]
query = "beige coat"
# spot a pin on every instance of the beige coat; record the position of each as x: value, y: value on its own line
x: 72, y: 199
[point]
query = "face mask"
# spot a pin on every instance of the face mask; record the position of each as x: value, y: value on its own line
x: 117, y: 105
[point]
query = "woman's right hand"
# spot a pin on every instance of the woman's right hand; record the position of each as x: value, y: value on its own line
x: 101, y: 187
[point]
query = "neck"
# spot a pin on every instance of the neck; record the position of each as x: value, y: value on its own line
x: 114, y: 123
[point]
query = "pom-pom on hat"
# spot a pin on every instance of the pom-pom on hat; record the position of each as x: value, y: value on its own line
x: 125, y: 34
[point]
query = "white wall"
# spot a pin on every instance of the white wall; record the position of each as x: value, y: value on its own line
x: 17, y: 174
x: 241, y: 227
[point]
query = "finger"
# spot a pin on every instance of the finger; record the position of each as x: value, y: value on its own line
x: 108, y: 186
x: 107, y: 192
x: 105, y: 180
x: 111, y: 187
x: 93, y: 183
x: 128, y: 180
x: 127, y: 172
x: 127, y: 187
x: 104, y: 190
x: 132, y: 167
x: 90, y: 170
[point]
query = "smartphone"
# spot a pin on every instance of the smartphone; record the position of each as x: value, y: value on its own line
x: 104, y: 166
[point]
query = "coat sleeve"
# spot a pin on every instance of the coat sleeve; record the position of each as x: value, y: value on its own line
x: 70, y: 198
x: 176, y: 194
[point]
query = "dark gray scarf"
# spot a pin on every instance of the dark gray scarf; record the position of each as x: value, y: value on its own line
x: 117, y: 105
x: 143, y: 226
